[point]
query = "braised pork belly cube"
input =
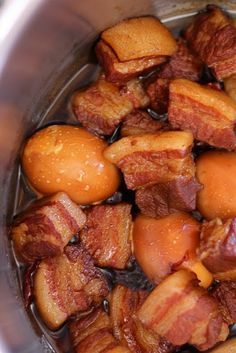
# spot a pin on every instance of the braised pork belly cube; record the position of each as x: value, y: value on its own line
x: 148, y: 37
x: 212, y: 36
x: 217, y: 248
x: 230, y: 86
x: 182, y: 312
x: 106, y: 235
x: 225, y: 347
x: 162, y: 199
x: 153, y: 158
x: 140, y: 122
x: 93, y: 334
x: 127, y: 328
x: 119, y: 72
x: 225, y: 293
x: 183, y: 64
x: 67, y: 284
x: 46, y: 227
x: 208, y: 113
x: 102, y: 106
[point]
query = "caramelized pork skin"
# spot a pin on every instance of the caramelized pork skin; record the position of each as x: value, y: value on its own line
x: 103, y: 105
x: 121, y: 71
x: 181, y: 311
x: 162, y: 199
x: 183, y: 64
x: 208, y: 113
x: 225, y: 293
x: 148, y: 37
x: 93, y: 334
x: 217, y: 247
x: 46, y: 227
x: 67, y: 284
x: 153, y: 158
x: 139, y: 122
x: 128, y: 329
x: 106, y: 235
x: 212, y: 36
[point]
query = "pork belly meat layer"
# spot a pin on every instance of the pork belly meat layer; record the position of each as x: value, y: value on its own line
x: 225, y: 293
x: 67, y: 284
x: 208, y: 113
x: 212, y: 36
x: 162, y: 199
x: 102, y: 106
x: 128, y: 329
x: 46, y: 227
x: 119, y: 72
x: 106, y: 235
x: 182, y: 312
x: 153, y: 158
x: 93, y: 334
x: 217, y: 247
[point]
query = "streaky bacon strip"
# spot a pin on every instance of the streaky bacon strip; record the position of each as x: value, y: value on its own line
x: 93, y: 334
x: 183, y: 64
x: 182, y: 312
x: 208, y: 113
x: 67, y: 284
x: 139, y: 122
x: 162, y: 199
x: 225, y: 293
x: 217, y: 247
x: 102, y: 106
x: 106, y: 235
x: 153, y: 158
x: 119, y: 72
x: 212, y: 36
x: 46, y: 227
x: 127, y: 327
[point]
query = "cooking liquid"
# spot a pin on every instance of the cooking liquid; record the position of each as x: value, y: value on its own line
x: 59, y: 112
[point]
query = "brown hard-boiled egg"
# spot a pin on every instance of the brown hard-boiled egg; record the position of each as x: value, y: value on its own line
x: 216, y: 171
x: 70, y: 159
x: 164, y: 245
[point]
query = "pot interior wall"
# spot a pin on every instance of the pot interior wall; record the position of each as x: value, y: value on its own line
x: 37, y: 64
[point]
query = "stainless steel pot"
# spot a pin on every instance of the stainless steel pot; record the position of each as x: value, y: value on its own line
x: 42, y: 44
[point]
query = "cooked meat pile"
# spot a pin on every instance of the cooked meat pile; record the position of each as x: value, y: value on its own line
x: 171, y: 147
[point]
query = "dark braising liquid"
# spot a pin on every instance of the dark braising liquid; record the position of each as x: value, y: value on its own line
x: 60, y: 113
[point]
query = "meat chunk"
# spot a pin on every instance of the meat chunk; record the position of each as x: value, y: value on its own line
x: 226, y: 347
x: 67, y: 284
x: 121, y: 71
x: 46, y: 227
x: 182, y: 312
x: 139, y: 122
x: 162, y: 199
x: 93, y: 334
x: 102, y: 106
x: 217, y: 248
x: 183, y: 64
x: 148, y: 37
x: 230, y: 86
x: 225, y: 293
x: 208, y: 113
x: 212, y: 36
x: 151, y: 159
x: 128, y: 329
x: 107, y: 235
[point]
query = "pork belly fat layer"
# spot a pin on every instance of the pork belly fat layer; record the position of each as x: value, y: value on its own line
x: 212, y: 36
x: 217, y: 248
x: 120, y: 72
x: 102, y: 106
x: 107, y: 235
x: 148, y: 37
x: 182, y: 312
x: 67, y: 284
x: 208, y: 113
x: 46, y: 227
x: 154, y: 158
